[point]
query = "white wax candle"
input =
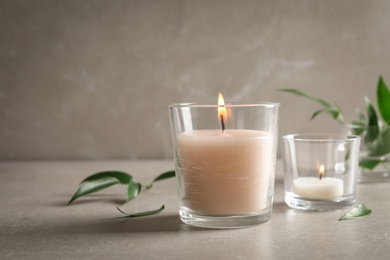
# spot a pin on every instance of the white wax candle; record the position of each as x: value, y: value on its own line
x: 314, y: 188
x: 226, y: 173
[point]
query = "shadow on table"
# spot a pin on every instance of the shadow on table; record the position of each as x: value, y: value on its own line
x: 157, y: 223
x: 168, y: 223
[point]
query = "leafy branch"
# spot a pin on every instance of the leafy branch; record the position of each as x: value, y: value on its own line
x: 333, y: 110
x: 374, y: 132
x: 103, y: 180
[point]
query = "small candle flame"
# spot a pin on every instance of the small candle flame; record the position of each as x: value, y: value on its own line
x: 221, y: 106
x: 222, y: 115
x: 321, y: 170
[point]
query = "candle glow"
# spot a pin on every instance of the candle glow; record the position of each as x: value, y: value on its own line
x: 321, y: 170
x: 222, y: 111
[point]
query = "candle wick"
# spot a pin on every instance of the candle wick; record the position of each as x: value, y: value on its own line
x: 320, y: 176
x: 222, y: 123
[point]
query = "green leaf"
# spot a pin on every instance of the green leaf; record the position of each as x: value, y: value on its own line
x: 142, y: 214
x: 316, y: 113
x: 372, y: 125
x: 133, y: 190
x: 357, y: 212
x: 383, y: 100
x: 305, y: 94
x: 91, y: 186
x: 163, y: 176
x: 369, y: 163
x: 122, y: 177
x: 381, y: 145
x: 358, y: 128
x: 102, y: 180
x: 385, y: 140
x: 334, y: 111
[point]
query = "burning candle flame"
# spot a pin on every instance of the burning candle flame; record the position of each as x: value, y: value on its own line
x: 222, y: 115
x: 321, y: 170
x: 221, y: 107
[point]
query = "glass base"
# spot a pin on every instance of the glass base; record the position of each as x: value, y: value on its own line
x: 224, y: 221
x: 318, y: 205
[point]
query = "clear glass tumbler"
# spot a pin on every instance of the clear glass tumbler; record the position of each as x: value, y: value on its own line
x: 320, y: 170
x: 225, y: 162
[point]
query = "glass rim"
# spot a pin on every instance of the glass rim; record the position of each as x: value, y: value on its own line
x: 227, y: 105
x: 320, y: 137
x: 352, y: 126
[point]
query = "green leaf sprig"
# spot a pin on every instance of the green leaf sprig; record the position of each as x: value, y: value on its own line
x: 333, y: 110
x: 357, y: 212
x: 376, y: 134
x: 103, y: 180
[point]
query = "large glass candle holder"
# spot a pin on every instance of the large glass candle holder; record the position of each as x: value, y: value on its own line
x: 225, y: 162
x: 320, y: 170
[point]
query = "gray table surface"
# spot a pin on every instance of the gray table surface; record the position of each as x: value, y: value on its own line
x: 35, y: 222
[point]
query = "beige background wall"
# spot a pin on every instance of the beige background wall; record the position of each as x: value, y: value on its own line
x: 92, y: 79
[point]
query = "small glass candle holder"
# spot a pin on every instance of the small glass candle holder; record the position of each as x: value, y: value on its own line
x: 225, y: 162
x: 320, y: 170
